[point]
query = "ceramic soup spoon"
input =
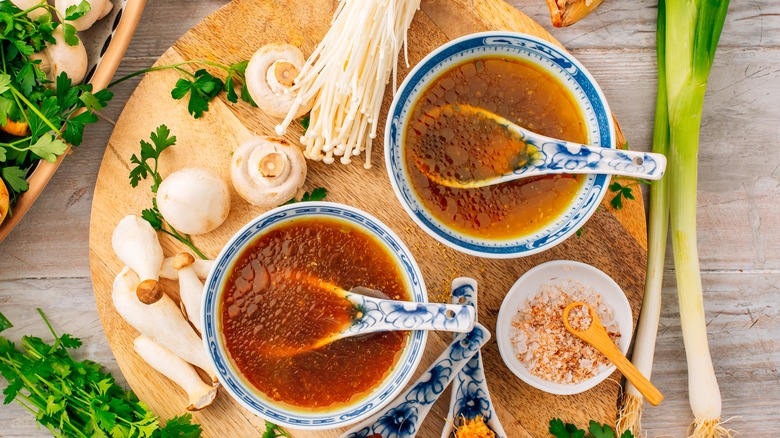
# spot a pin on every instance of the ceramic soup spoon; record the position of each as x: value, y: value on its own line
x: 470, y: 397
x: 404, y: 415
x: 592, y: 331
x: 467, y: 147
x: 373, y: 312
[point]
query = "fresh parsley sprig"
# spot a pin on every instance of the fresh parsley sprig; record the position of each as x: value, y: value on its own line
x: 274, y: 431
x: 559, y: 429
x: 624, y: 191
x: 317, y: 194
x: 202, y: 86
x: 146, y: 166
x: 76, y: 398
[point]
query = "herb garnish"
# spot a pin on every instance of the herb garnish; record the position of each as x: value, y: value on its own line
x: 274, y: 431
x: 624, y: 191
x: 48, y: 117
x: 161, y: 140
x: 202, y: 86
x: 75, y: 398
x: 317, y: 194
x: 595, y: 430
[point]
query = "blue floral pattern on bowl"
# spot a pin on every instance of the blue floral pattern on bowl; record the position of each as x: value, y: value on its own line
x: 470, y: 397
x: 592, y: 104
x: 243, y: 391
x: 403, y: 417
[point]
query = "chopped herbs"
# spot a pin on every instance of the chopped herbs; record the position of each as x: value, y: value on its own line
x: 76, y: 398
x: 39, y: 118
x: 146, y: 166
x: 317, y: 194
x: 559, y: 429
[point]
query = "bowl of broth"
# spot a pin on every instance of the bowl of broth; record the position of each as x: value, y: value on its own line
x: 524, y: 79
x: 259, y: 300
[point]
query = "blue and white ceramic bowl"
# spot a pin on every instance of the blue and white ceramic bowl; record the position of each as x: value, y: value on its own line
x: 243, y: 391
x: 561, y: 65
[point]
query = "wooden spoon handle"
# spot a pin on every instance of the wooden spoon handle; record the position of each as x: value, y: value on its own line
x: 633, y: 375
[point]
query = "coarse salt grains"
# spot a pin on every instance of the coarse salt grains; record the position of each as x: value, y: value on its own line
x: 544, y: 346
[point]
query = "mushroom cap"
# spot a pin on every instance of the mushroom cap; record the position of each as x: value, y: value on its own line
x: 99, y: 9
x: 60, y: 57
x: 194, y: 200
x: 267, y: 171
x: 270, y: 75
x: 27, y: 4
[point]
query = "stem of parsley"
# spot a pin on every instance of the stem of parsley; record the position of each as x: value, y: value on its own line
x: 34, y: 109
x: 176, y: 66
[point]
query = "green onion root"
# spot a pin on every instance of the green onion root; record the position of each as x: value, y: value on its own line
x: 629, y: 416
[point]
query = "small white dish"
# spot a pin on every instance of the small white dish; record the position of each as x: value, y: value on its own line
x: 529, y: 285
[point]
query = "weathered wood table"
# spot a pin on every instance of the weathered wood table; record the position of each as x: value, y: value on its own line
x: 44, y: 263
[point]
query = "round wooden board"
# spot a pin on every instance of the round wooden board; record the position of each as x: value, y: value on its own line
x: 612, y: 241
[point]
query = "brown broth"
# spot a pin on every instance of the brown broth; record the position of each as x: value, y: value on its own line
x: 266, y: 304
x: 519, y: 92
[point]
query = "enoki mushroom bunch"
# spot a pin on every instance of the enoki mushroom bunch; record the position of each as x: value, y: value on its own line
x: 346, y: 76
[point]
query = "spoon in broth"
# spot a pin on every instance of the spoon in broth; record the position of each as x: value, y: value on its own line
x: 370, y: 311
x: 582, y: 321
x: 464, y: 146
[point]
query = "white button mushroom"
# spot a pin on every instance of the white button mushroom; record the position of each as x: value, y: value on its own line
x: 270, y: 75
x: 162, y: 322
x: 194, y: 200
x: 61, y: 57
x: 28, y: 4
x: 173, y: 367
x: 98, y: 10
x: 136, y: 244
x: 267, y: 171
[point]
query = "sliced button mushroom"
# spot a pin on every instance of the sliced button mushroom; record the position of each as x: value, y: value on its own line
x: 267, y: 171
x: 190, y: 288
x: 162, y: 322
x: 175, y: 368
x: 60, y: 57
x: 98, y: 9
x: 136, y: 244
x: 194, y: 200
x: 270, y: 75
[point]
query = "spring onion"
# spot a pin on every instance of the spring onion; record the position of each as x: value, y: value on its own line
x: 630, y: 413
x: 693, y: 28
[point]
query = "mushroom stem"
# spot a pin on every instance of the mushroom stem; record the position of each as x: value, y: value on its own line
x: 175, y: 368
x: 201, y: 268
x: 162, y: 322
x: 190, y: 289
x: 136, y: 244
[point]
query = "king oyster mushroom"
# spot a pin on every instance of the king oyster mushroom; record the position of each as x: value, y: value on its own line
x: 269, y: 76
x: 61, y: 57
x: 193, y: 200
x: 136, y: 244
x: 98, y: 9
x: 267, y: 171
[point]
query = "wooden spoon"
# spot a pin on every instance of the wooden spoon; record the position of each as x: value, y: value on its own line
x: 464, y: 146
x: 596, y: 335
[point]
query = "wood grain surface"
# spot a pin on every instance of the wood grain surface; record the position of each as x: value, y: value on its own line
x: 44, y: 262
x: 209, y: 141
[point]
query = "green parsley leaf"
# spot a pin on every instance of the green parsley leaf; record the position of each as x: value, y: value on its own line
x: 4, y: 322
x: 204, y: 88
x: 317, y: 194
x: 305, y: 120
x: 598, y: 431
x: 621, y: 192
x: 69, y: 34
x: 560, y: 430
x: 627, y: 434
x: 154, y: 218
x: 179, y: 427
x: 14, y: 177
x: 48, y: 147
x: 74, y: 12
x: 74, y: 128
x: 5, y: 83
x: 273, y: 431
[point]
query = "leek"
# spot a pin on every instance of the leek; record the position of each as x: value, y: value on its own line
x: 630, y: 413
x: 693, y: 28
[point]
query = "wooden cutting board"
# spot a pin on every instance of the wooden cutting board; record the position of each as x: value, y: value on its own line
x: 612, y: 241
